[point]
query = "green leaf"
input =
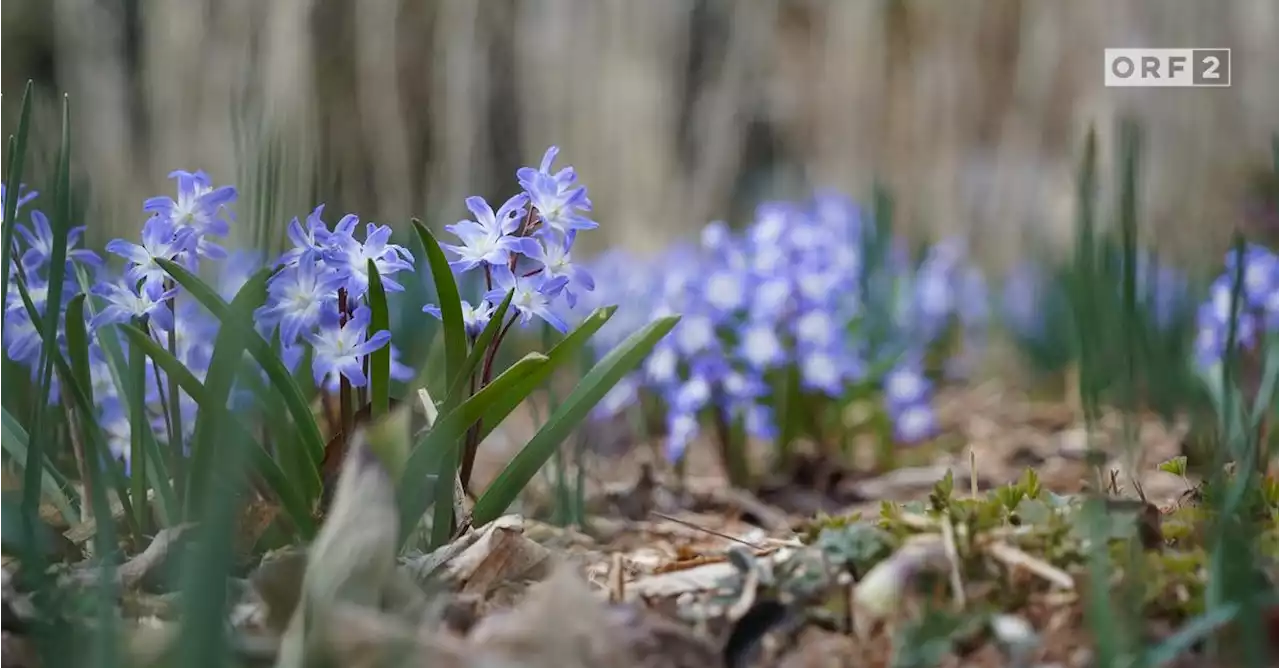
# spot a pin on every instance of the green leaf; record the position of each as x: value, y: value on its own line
x: 445, y: 437
x: 17, y: 156
x: 380, y: 359
x: 455, y: 333
x: 138, y: 425
x: 261, y: 351
x: 224, y: 366
x: 458, y: 385
x: 14, y: 439
x: 565, y: 352
x: 1194, y: 631
x: 618, y: 363
x: 282, y: 486
x: 84, y: 406
x: 46, y: 434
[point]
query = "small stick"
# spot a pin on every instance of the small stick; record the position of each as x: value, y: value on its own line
x: 713, y: 532
x: 953, y: 560
x: 973, y: 473
x: 1012, y: 556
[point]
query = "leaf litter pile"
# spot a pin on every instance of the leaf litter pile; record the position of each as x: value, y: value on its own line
x: 975, y: 554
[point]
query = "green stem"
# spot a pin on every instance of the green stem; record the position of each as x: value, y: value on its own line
x: 177, y: 457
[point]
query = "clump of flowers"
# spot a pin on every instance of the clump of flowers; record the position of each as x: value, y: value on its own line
x: 145, y: 368
x: 524, y: 249
x: 796, y: 315
x: 1256, y: 311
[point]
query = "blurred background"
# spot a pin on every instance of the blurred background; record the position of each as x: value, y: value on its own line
x: 674, y: 112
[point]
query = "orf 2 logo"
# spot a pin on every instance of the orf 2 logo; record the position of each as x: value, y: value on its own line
x: 1168, y: 68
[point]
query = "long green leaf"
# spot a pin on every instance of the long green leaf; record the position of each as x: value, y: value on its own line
x: 93, y: 435
x: 565, y: 352
x: 618, y: 363
x: 380, y: 359
x: 17, y: 158
x: 224, y: 365
x: 445, y: 437
x: 261, y: 351
x: 46, y: 434
x: 138, y: 425
x: 455, y: 333
x: 267, y: 467
x: 14, y: 439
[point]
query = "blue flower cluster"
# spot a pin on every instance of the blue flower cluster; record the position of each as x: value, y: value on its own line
x: 788, y: 294
x: 316, y: 297
x: 525, y: 248
x: 1256, y: 307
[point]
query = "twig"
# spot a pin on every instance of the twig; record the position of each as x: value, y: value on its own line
x: 713, y: 532
x: 953, y: 561
x: 973, y: 473
x: 617, y: 579
x: 1012, y: 556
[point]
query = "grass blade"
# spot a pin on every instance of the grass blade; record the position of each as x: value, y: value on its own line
x: 14, y: 439
x: 228, y: 350
x: 445, y: 438
x: 455, y: 333
x: 380, y: 359
x: 565, y: 352
x: 45, y: 434
x: 17, y: 157
x: 261, y: 351
x: 602, y: 377
x: 293, y: 502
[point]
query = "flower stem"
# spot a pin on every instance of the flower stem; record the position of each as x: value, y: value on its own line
x: 472, y: 443
x: 176, y: 455
x: 344, y: 385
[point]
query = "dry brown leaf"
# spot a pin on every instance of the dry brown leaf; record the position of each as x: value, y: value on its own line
x: 511, y: 556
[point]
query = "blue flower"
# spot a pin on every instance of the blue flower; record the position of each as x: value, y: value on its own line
x: 474, y: 318
x: 115, y: 422
x: 824, y: 371
x: 761, y: 348
x: 198, y: 209
x: 297, y: 297
x: 351, y: 258
x: 559, y: 202
x: 133, y: 300
x: 487, y: 239
x: 554, y: 261
x: 532, y: 296
x: 906, y: 384
x: 341, y: 350
x: 682, y: 428
x: 24, y: 197
x: 312, y: 243
x: 22, y: 340
x: 1261, y: 275
x: 40, y: 244
x: 760, y: 422
x: 914, y: 423
x: 160, y: 240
